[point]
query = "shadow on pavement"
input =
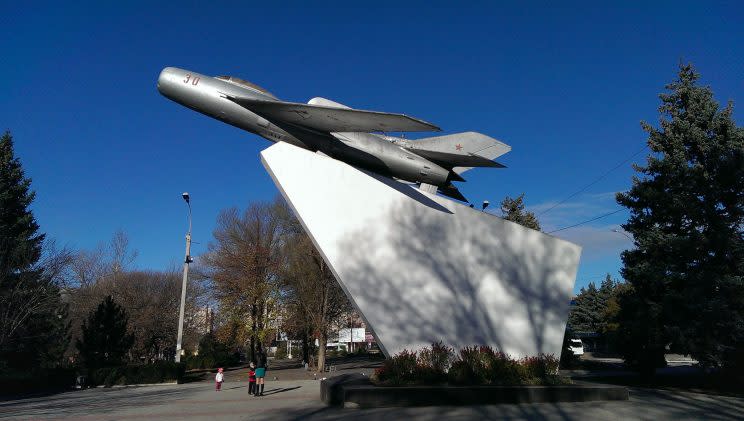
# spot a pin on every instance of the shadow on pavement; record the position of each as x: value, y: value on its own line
x: 280, y: 390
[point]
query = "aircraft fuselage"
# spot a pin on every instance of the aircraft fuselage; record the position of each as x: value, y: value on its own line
x: 384, y: 155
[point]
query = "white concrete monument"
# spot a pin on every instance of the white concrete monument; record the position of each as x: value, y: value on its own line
x: 421, y: 268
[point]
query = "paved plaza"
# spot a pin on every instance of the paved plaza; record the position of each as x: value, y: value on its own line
x: 299, y: 399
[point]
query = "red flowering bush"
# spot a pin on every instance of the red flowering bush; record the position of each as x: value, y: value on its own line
x: 540, y: 367
x: 400, y: 369
x: 470, y: 366
x: 433, y: 363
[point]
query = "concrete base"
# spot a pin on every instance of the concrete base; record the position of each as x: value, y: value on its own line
x: 358, y: 392
x: 421, y: 268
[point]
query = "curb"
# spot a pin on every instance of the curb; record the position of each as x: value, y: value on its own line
x: 119, y: 386
x: 356, y: 391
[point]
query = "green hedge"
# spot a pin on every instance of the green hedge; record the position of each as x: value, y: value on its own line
x: 470, y: 366
x: 281, y: 353
x: 210, y: 362
x: 37, y: 380
x: 158, y: 372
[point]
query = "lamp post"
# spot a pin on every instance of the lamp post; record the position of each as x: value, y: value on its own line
x: 186, y: 262
x: 623, y: 233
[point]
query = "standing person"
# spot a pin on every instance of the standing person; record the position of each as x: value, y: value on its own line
x: 252, y: 379
x: 218, y: 379
x: 260, y: 373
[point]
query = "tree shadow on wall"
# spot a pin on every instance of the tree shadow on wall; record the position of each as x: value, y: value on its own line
x: 465, y: 278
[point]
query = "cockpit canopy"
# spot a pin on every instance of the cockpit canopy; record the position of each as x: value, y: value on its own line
x: 245, y: 84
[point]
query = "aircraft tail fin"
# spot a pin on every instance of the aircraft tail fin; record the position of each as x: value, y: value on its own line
x: 461, y: 151
x: 327, y: 103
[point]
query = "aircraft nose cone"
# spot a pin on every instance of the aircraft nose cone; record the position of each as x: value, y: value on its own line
x: 164, y: 80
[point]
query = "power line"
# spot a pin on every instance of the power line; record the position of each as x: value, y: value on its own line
x: 587, y: 221
x: 595, y: 181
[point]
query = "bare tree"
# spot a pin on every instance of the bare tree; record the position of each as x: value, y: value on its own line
x: 31, y: 293
x: 310, y: 283
x: 87, y: 267
x: 243, y: 262
x: 152, y: 301
x: 151, y: 298
x: 120, y: 255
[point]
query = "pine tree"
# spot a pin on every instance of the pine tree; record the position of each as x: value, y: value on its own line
x: 584, y: 315
x: 105, y: 340
x: 20, y: 242
x: 513, y: 210
x: 606, y: 290
x: 32, y: 317
x: 590, y: 312
x: 687, y: 219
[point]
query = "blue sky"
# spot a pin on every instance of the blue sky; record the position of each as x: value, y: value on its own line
x: 565, y: 85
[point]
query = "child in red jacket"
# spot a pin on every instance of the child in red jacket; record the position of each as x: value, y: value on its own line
x: 251, y: 379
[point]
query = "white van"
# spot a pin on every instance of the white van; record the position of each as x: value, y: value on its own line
x: 576, y: 347
x: 336, y: 346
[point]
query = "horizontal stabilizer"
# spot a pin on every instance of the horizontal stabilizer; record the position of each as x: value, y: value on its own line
x: 327, y: 118
x: 469, y: 149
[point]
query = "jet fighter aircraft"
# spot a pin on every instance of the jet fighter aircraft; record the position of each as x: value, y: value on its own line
x: 338, y: 131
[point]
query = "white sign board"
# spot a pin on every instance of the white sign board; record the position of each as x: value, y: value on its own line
x: 351, y: 335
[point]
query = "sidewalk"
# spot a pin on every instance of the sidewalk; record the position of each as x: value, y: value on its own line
x: 299, y: 399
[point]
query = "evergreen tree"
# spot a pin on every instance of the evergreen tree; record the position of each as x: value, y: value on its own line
x: 585, y: 314
x: 20, y: 242
x: 595, y: 310
x: 105, y: 340
x: 686, y: 271
x: 513, y: 210
x: 32, y: 317
x: 606, y: 291
x: 589, y: 314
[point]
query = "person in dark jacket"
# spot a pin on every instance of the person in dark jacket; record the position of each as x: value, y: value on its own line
x: 260, y: 373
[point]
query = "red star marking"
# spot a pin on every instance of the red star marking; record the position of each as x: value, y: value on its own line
x: 458, y: 147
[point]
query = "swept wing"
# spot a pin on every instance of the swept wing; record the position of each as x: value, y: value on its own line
x: 333, y: 119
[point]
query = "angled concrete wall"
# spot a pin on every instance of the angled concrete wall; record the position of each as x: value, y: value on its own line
x: 422, y: 268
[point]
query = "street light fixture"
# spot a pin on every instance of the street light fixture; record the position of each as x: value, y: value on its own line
x: 623, y: 233
x: 186, y: 262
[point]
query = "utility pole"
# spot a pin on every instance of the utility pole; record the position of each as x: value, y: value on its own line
x: 186, y: 262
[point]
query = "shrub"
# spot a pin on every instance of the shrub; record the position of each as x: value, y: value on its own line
x: 212, y: 354
x: 158, y: 372
x: 210, y: 362
x: 504, y: 370
x: 439, y: 357
x: 37, y: 380
x: 540, y: 367
x: 400, y: 369
x: 471, y: 366
x: 461, y: 373
x: 281, y: 353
